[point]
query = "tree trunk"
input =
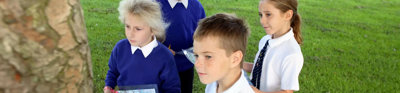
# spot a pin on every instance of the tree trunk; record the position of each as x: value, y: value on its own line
x: 44, y: 47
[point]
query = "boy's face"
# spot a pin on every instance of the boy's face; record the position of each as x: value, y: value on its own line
x: 271, y: 18
x: 212, y: 63
x: 137, y: 31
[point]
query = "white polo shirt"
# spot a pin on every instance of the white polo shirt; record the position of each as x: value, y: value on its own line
x: 172, y: 3
x: 240, y: 86
x: 146, y: 50
x: 282, y: 63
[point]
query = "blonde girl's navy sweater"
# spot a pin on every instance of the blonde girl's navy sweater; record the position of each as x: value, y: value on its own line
x: 127, y: 69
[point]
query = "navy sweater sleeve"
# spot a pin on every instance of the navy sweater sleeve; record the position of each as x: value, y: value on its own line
x: 170, y: 78
x: 112, y: 74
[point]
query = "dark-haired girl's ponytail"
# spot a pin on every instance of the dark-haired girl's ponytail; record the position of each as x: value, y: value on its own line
x: 296, y: 23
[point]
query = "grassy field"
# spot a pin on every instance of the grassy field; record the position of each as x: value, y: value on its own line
x: 349, y: 45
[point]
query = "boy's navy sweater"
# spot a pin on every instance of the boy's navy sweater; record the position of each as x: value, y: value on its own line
x: 183, y: 23
x: 127, y: 69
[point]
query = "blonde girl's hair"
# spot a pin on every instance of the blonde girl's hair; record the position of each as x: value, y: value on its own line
x: 147, y: 10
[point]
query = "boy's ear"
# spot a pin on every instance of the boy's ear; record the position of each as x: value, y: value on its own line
x: 289, y: 14
x: 237, y: 57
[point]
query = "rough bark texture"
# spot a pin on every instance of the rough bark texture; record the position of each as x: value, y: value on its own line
x: 44, y: 47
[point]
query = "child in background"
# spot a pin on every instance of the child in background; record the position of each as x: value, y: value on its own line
x: 219, y: 47
x: 183, y: 16
x: 279, y: 61
x: 141, y: 61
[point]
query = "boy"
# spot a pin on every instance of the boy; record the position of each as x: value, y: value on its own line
x: 219, y: 47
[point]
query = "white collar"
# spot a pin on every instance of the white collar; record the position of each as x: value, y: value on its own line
x: 279, y: 40
x: 240, y: 86
x: 146, y: 50
x: 172, y: 3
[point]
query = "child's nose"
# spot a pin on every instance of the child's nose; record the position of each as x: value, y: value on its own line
x: 132, y: 33
x: 263, y: 20
x: 198, y: 62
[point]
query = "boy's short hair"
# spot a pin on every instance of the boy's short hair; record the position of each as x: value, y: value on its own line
x: 147, y: 10
x: 231, y: 31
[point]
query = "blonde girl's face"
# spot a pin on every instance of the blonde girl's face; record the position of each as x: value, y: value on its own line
x: 271, y: 18
x: 212, y: 63
x: 137, y: 31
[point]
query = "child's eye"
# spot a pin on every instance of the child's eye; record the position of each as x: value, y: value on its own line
x: 208, y: 57
x: 196, y: 56
x: 268, y: 14
x: 127, y: 26
x: 259, y: 14
x: 138, y: 29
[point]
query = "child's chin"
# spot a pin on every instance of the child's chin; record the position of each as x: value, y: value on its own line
x: 268, y: 32
x: 134, y: 44
x: 204, y: 81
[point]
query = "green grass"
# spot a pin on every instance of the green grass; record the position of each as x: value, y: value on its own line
x: 349, y: 45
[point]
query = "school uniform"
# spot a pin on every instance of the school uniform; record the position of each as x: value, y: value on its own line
x: 152, y: 64
x: 183, y: 17
x: 240, y: 86
x: 281, y: 64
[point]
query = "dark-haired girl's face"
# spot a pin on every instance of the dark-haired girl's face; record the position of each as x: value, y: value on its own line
x: 272, y: 19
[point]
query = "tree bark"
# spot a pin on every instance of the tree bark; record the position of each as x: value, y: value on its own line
x: 44, y: 47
